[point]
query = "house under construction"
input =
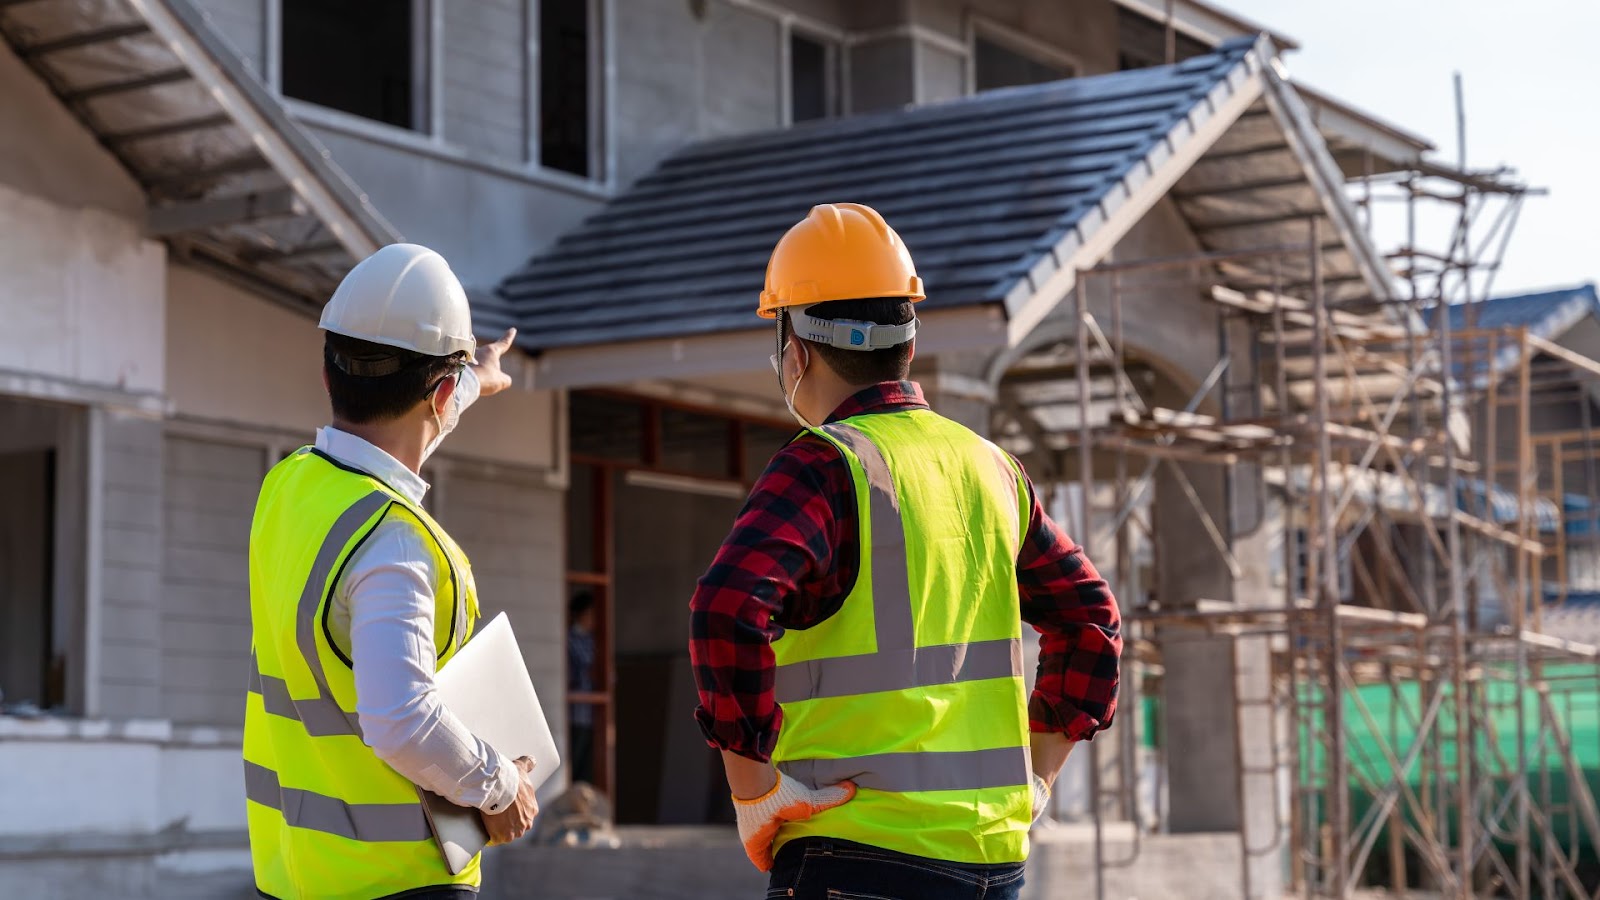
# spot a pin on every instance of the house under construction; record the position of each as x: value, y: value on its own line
x: 1335, y: 519
x: 1399, y: 500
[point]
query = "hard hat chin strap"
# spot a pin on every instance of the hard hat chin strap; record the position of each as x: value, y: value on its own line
x: 846, y: 334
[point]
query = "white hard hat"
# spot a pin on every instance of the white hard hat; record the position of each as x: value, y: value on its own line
x: 403, y: 296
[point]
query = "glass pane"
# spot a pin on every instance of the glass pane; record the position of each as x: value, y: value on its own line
x: 606, y: 427
x: 691, y: 442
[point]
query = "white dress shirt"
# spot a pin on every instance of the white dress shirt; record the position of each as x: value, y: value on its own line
x: 383, y: 613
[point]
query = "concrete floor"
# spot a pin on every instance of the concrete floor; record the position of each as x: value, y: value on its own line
x: 681, y: 864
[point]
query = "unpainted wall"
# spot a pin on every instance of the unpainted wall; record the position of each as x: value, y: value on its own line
x: 130, y: 538
x: 236, y: 358
x: 80, y: 287
x: 510, y: 526
x: 1085, y: 30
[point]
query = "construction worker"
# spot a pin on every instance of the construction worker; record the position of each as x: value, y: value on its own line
x: 357, y: 596
x: 857, y: 639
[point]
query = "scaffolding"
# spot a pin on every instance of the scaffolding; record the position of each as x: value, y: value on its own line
x: 1426, y: 735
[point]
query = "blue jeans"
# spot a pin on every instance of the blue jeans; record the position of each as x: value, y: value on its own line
x: 828, y: 869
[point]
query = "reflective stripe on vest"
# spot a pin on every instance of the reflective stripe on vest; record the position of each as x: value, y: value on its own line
x: 321, y: 714
x: 914, y: 688
x: 889, y: 669
x: 371, y: 822
x: 321, y: 717
x: 954, y: 770
x: 327, y: 817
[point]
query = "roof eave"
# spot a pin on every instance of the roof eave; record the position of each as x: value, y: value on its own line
x: 1340, y: 121
x: 1031, y: 297
x: 1305, y: 141
x: 325, y: 188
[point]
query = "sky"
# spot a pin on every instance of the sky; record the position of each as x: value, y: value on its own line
x: 1531, y: 74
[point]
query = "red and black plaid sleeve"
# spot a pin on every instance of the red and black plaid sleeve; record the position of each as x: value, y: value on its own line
x: 789, y: 561
x: 792, y: 557
x: 1080, y: 643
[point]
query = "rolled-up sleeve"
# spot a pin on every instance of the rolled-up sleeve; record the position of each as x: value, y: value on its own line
x: 780, y: 540
x: 1080, y: 628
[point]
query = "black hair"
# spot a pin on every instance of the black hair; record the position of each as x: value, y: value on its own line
x: 579, y: 604
x: 395, y: 380
x: 860, y: 368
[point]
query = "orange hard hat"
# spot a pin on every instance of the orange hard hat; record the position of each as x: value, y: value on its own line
x: 839, y: 251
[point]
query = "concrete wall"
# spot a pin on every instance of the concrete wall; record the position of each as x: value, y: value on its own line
x: 511, y: 528
x: 208, y: 500
x: 1085, y: 30
x: 680, y: 79
x: 45, y: 153
x: 130, y: 541
x: 485, y: 77
x: 150, y: 810
x: 485, y: 220
x: 235, y: 358
x: 80, y: 287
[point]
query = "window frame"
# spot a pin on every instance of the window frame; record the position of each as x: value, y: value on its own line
x: 427, y: 19
x: 600, y: 184
x: 833, y: 72
x: 981, y: 27
x: 601, y: 13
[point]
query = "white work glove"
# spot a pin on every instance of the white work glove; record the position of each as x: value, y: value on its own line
x: 1041, y: 797
x: 788, y: 801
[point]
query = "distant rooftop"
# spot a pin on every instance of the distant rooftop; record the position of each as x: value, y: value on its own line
x: 1545, y: 313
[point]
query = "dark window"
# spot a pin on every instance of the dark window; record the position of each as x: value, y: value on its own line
x: 1142, y: 42
x: 358, y: 56
x: 809, y: 89
x: 607, y: 427
x: 564, y: 85
x: 997, y: 66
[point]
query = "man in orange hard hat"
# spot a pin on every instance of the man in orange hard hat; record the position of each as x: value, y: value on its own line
x: 857, y: 640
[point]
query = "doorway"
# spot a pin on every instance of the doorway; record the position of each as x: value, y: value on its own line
x: 39, y: 456
x: 655, y: 488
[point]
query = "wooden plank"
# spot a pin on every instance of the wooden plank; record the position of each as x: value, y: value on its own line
x: 1575, y: 360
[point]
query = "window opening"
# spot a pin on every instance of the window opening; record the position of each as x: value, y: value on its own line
x: 564, y: 76
x: 996, y: 65
x: 363, y: 57
x: 810, y: 87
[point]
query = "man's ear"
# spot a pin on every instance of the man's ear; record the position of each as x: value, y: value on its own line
x: 440, y: 400
x: 326, y: 388
x: 803, y: 358
x: 913, y: 350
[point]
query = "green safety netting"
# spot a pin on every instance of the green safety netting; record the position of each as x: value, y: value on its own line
x: 1389, y: 720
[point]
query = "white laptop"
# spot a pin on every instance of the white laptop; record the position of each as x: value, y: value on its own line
x: 486, y: 685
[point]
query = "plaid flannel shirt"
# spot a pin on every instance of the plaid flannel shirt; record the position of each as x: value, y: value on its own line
x: 792, y: 559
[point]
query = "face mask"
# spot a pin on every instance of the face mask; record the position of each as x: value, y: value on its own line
x: 446, y: 423
x: 788, y: 396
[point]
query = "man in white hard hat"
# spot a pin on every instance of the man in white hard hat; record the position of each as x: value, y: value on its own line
x: 357, y: 597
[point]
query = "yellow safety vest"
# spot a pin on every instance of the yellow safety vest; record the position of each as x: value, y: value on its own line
x: 914, y: 689
x: 327, y: 817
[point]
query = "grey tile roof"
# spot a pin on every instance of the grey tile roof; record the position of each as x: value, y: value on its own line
x: 981, y: 189
x: 1546, y: 314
